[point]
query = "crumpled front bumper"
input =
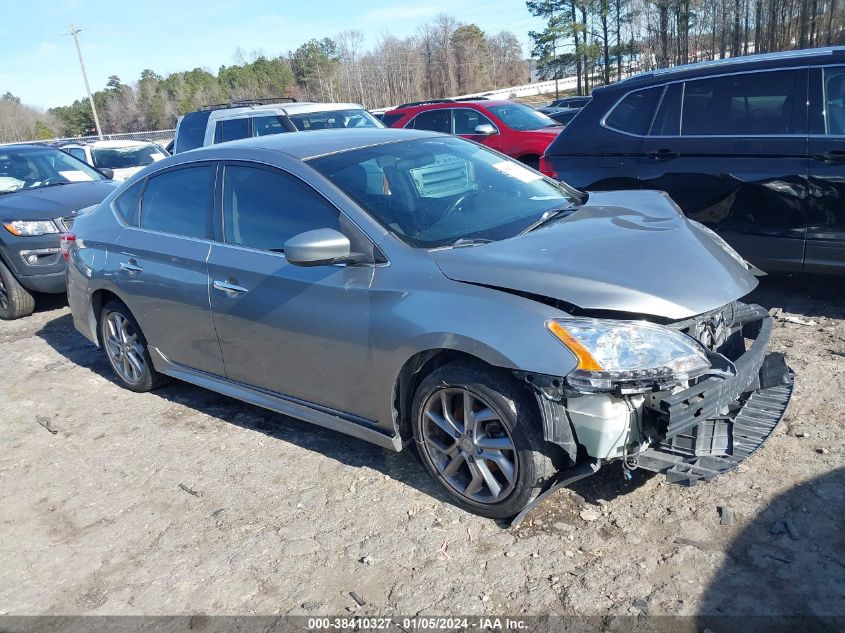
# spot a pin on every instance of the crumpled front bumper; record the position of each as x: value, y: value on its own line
x: 707, y: 429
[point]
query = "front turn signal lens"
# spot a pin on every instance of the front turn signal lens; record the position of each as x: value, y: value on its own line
x: 585, y: 359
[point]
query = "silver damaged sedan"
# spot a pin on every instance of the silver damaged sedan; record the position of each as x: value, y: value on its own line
x: 409, y: 288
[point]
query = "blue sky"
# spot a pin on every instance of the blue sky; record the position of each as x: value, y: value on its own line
x: 39, y: 62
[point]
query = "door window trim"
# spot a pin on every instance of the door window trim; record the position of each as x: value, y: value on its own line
x: 218, y: 228
x: 209, y: 211
x: 484, y: 114
x: 603, y: 120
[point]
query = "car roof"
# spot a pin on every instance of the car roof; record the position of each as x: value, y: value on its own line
x: 315, y: 143
x: 9, y: 146
x: 483, y: 103
x: 731, y: 64
x: 295, y: 107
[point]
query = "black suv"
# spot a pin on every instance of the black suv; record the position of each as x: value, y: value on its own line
x: 754, y: 147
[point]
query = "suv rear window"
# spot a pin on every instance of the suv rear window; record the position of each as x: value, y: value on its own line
x: 191, y: 133
x: 634, y: 113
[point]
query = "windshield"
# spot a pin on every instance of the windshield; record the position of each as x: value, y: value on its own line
x: 123, y: 157
x: 334, y: 119
x: 519, y: 117
x: 433, y: 192
x: 36, y: 167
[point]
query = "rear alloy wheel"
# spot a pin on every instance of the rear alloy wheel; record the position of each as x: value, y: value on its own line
x: 478, y: 433
x: 126, y: 349
x: 15, y: 300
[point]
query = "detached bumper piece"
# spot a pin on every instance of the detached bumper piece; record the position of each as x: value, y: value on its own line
x: 709, y: 428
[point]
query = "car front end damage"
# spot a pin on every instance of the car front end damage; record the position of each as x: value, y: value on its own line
x: 691, y: 424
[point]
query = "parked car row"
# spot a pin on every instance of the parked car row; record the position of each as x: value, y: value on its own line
x: 406, y: 286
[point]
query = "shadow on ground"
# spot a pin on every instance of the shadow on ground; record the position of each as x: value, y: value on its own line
x: 807, y: 295
x: 405, y: 466
x: 788, y: 563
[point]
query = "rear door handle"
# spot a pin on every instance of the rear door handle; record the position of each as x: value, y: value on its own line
x: 131, y: 267
x: 833, y: 156
x: 233, y: 290
x: 662, y: 154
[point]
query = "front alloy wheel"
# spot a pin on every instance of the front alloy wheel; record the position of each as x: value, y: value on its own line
x: 478, y: 432
x: 469, y: 445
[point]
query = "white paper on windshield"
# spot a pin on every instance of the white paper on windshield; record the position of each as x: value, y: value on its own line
x: 157, y: 156
x: 7, y: 183
x: 519, y: 172
x: 75, y: 176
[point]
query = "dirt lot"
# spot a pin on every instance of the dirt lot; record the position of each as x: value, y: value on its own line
x: 183, y: 501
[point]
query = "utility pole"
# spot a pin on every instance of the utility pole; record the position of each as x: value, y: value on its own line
x: 73, y: 32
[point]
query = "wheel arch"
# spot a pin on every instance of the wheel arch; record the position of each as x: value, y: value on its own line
x: 415, y: 369
x: 99, y: 299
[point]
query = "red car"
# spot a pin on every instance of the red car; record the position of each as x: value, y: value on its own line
x: 509, y: 127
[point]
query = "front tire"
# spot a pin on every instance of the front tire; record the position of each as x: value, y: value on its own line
x: 477, y: 432
x: 15, y: 300
x: 126, y: 349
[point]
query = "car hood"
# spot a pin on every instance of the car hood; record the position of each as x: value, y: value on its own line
x: 630, y: 251
x: 53, y: 202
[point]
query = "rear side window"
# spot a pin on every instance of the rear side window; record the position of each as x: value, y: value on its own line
x: 191, y: 133
x: 126, y: 204
x: 231, y: 130
x: 178, y: 202
x: 746, y: 104
x: 834, y: 99
x: 263, y: 208
x: 634, y: 113
x: 267, y: 125
x: 390, y: 119
x: 439, y: 120
x: 77, y: 152
x: 667, y: 121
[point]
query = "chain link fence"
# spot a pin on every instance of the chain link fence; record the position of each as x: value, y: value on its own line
x: 162, y: 137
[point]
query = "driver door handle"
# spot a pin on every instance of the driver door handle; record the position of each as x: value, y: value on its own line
x: 230, y: 289
x: 833, y: 156
x: 662, y: 154
x: 131, y: 267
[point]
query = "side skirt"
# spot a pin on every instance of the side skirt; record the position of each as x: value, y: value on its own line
x: 295, y: 408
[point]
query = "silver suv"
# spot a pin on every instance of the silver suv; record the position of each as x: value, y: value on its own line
x: 406, y: 287
x: 262, y: 117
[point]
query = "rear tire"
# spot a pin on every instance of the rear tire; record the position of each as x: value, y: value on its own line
x: 497, y: 463
x: 15, y: 300
x: 126, y: 349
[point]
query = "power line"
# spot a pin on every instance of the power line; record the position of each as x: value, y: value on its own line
x: 73, y: 33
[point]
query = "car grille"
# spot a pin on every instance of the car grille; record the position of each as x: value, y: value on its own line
x: 66, y: 223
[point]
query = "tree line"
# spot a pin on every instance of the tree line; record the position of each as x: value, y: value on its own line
x: 443, y: 58
x: 602, y: 40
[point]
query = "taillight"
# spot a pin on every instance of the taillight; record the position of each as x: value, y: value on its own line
x: 546, y: 167
x: 65, y: 241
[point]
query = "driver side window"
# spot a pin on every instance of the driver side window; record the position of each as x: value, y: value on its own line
x: 466, y: 120
x: 263, y: 208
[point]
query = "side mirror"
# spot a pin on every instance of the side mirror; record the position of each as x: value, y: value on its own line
x: 319, y: 247
x: 108, y: 173
x: 485, y: 128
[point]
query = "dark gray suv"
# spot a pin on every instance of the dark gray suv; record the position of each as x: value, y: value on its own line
x: 408, y: 287
x: 41, y: 190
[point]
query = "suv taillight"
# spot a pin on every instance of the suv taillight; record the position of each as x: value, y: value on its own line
x: 65, y: 241
x: 546, y: 167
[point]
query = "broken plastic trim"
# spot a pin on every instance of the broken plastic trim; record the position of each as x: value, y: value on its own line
x: 565, y: 478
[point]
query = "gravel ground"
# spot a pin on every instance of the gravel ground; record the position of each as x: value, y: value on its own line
x: 184, y: 501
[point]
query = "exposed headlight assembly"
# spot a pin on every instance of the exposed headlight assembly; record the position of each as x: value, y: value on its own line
x: 24, y: 228
x: 629, y: 356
